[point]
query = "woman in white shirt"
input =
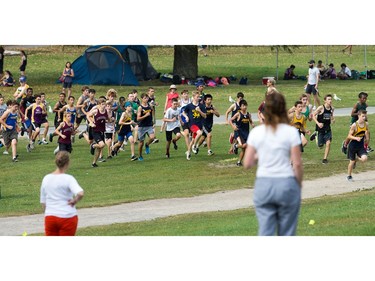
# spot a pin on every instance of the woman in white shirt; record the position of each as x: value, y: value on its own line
x: 277, y: 190
x: 59, y: 194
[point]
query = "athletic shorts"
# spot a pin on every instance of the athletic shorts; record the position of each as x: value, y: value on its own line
x: 194, y: 129
x: 108, y: 136
x: 242, y: 135
x: 207, y: 130
x: 142, y: 131
x: 65, y: 147
x: 169, y: 134
x: 323, y: 137
x: 354, y: 150
x: 8, y: 136
x: 79, y: 119
x: 121, y: 138
x: 98, y: 136
x: 310, y: 89
x: 36, y: 125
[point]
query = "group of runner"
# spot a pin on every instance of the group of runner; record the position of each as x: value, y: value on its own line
x: 112, y: 123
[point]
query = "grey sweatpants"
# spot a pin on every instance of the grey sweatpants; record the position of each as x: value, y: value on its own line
x: 277, y: 202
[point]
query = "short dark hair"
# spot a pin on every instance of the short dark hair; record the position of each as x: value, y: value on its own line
x: 242, y: 102
x: 362, y: 94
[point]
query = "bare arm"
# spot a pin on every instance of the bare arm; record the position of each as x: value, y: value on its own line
x: 297, y: 163
x: 250, y: 158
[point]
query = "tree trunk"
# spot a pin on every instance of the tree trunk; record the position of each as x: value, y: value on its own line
x: 185, y: 61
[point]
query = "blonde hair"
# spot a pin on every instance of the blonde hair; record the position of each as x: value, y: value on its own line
x: 111, y: 92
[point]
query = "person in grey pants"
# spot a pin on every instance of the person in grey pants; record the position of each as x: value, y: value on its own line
x: 275, y: 148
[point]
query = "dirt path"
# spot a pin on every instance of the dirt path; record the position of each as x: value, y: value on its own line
x: 152, y: 209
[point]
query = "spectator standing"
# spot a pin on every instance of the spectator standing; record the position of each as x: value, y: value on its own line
x: 68, y: 73
x: 59, y: 194
x: 23, y: 63
x: 277, y: 191
x: 311, y: 86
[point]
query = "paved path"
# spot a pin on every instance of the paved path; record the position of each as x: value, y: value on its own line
x: 152, y: 209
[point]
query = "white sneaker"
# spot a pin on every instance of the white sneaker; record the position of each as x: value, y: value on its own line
x: 56, y: 150
x: 5, y: 152
x: 209, y: 153
x: 44, y: 141
x: 32, y: 145
x: 187, y: 155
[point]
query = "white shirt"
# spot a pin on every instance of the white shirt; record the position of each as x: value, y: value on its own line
x: 273, y: 149
x: 313, y: 76
x: 56, y: 190
x: 169, y: 114
x: 348, y: 71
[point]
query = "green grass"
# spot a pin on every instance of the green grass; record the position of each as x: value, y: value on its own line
x: 330, y: 214
x: 120, y: 180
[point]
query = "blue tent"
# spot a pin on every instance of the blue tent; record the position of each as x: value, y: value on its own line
x: 113, y: 65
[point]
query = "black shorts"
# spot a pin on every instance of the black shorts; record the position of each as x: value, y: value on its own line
x: 65, y: 147
x: 98, y: 136
x: 323, y: 137
x: 80, y: 119
x: 108, y: 136
x: 67, y: 85
x: 169, y: 134
x: 354, y: 150
x: 310, y: 89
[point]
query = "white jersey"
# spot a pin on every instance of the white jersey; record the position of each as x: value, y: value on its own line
x: 170, y: 114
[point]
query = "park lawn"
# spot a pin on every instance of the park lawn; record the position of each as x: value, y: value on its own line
x: 120, y: 181
x: 342, y: 215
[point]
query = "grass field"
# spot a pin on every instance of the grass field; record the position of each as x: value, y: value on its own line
x: 119, y: 180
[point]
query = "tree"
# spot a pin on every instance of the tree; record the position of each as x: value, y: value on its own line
x: 185, y: 62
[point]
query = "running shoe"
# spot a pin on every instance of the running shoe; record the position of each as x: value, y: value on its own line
x: 174, y: 144
x: 80, y: 136
x: 140, y: 158
x: 94, y: 165
x: 32, y: 145
x: 369, y: 149
x: 238, y: 164
x: 133, y: 158
x: 324, y: 161
x: 155, y: 141
x: 101, y: 159
x: 188, y: 155
x: 147, y: 149
x: 15, y: 159
x: 92, y: 149
x: 56, y: 150
x: 5, y: 152
x: 167, y: 155
x: 209, y: 153
x: 28, y: 148
x: 195, y: 149
x: 50, y: 137
x: 44, y: 141
x: 349, y: 178
x: 312, y: 137
x: 235, y: 148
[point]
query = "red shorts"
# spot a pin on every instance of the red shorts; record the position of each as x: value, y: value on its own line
x: 194, y: 129
x: 55, y: 226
